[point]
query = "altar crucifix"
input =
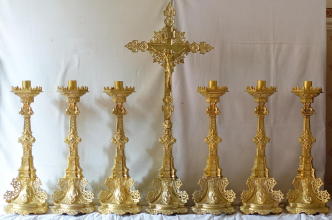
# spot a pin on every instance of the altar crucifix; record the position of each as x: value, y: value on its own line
x: 168, y: 47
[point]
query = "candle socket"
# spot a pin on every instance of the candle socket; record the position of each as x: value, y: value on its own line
x: 26, y: 84
x: 261, y: 84
x: 118, y: 84
x: 307, y: 84
x: 213, y: 84
x: 72, y: 84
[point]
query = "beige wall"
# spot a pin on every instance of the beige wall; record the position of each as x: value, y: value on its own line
x: 329, y: 3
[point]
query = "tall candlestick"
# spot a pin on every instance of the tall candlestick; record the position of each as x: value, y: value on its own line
x: 168, y: 48
x: 213, y: 198
x: 72, y: 197
x: 27, y: 197
x: 306, y: 196
x: 120, y: 197
x: 260, y: 198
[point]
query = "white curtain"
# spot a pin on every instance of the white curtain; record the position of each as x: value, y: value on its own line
x: 51, y: 42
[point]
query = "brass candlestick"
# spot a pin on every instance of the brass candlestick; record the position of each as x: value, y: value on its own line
x: 213, y: 198
x: 27, y: 197
x: 306, y: 196
x: 260, y: 197
x: 120, y: 197
x: 72, y: 197
x: 168, y: 47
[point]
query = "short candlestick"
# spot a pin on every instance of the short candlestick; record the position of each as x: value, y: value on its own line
x: 213, y: 198
x: 260, y: 198
x: 72, y: 196
x: 27, y: 197
x: 120, y: 197
x: 306, y: 195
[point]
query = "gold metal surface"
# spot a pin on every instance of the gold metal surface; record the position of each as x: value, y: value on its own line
x: 120, y: 197
x: 213, y: 198
x: 306, y: 195
x: 72, y: 196
x: 260, y: 198
x: 168, y: 47
x: 27, y: 197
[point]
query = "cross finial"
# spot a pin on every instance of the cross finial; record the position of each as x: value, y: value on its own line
x: 169, y: 14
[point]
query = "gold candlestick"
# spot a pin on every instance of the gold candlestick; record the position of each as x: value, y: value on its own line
x: 27, y: 197
x: 168, y: 47
x: 260, y: 197
x: 213, y: 198
x: 120, y: 197
x: 306, y: 196
x: 72, y: 197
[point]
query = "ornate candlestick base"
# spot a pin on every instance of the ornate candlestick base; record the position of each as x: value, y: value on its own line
x: 213, y: 198
x: 72, y: 196
x: 260, y: 198
x: 167, y: 199
x: 306, y: 196
x: 120, y: 197
x: 27, y: 197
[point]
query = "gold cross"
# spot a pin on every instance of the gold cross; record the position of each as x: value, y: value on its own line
x: 168, y: 47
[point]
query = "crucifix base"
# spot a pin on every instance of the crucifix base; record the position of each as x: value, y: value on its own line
x: 120, y: 197
x: 119, y: 209
x: 306, y: 197
x: 213, y: 198
x: 72, y: 197
x: 167, y: 199
x: 27, y: 197
x: 260, y: 198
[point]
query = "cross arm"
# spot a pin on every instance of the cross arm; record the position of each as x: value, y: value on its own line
x: 201, y: 47
x: 136, y: 46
